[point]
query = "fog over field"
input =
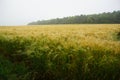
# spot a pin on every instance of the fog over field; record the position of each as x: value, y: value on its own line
x: 59, y: 39
x: 21, y: 12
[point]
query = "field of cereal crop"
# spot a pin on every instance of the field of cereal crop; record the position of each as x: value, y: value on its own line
x: 60, y: 52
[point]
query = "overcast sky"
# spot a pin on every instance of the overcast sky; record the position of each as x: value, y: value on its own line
x: 21, y: 12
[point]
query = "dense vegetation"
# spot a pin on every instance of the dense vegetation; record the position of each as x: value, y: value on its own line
x: 60, y: 52
x: 113, y: 17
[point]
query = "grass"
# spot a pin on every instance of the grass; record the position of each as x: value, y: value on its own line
x: 60, y: 52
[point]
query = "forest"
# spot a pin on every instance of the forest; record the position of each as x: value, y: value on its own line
x: 102, y: 18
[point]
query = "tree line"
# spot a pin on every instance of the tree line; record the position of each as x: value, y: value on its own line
x: 104, y: 18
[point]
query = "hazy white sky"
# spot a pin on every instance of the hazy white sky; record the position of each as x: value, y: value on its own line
x: 21, y: 12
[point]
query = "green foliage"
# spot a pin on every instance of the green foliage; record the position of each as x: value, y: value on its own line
x: 113, y: 17
x: 11, y: 71
x: 118, y: 35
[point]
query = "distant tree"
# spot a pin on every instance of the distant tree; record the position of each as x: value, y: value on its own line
x: 110, y: 17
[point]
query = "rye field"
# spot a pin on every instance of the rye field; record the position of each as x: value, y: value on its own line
x: 60, y: 52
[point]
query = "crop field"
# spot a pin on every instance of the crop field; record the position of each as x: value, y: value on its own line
x: 60, y: 52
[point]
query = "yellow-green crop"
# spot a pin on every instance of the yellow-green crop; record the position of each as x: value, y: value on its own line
x: 60, y: 52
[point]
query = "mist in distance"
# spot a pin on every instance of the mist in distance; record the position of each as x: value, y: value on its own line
x: 21, y: 12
